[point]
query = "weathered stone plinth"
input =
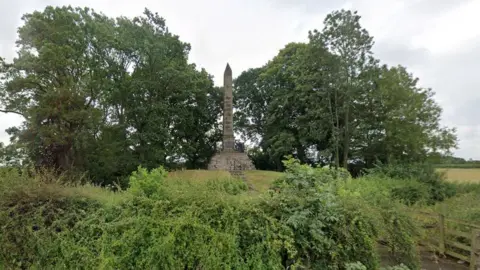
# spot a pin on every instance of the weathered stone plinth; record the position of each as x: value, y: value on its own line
x: 231, y: 161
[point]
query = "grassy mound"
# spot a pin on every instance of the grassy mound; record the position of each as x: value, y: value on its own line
x: 259, y: 180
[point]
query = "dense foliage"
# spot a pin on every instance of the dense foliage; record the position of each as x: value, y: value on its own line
x: 424, y: 183
x: 101, y: 96
x: 330, y: 101
x: 307, y: 220
x: 105, y: 95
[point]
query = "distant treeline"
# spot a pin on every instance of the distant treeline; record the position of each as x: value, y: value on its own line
x: 469, y: 165
x: 456, y: 162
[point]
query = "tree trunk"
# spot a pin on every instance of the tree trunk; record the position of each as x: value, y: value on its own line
x: 346, y: 138
x: 335, y: 129
x: 301, y: 154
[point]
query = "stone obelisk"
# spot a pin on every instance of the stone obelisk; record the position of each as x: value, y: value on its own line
x: 228, y: 139
x: 229, y: 159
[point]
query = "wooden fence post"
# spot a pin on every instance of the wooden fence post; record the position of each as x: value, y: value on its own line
x: 441, y: 224
x: 473, y: 253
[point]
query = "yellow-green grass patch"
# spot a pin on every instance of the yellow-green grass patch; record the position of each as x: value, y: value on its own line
x: 259, y: 180
x: 461, y: 175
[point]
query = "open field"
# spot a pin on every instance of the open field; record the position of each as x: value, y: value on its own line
x: 261, y: 180
x: 462, y: 175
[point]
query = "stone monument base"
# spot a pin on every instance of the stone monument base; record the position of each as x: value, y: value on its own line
x: 231, y: 161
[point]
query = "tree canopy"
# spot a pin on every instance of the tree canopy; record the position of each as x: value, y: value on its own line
x: 104, y: 95
x: 330, y: 101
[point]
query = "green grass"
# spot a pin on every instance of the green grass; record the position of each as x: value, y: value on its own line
x: 102, y: 195
x: 262, y: 180
x: 259, y: 180
x: 465, y: 205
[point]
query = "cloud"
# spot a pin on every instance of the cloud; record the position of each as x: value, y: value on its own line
x: 307, y: 6
x: 434, y: 7
x: 394, y: 53
x: 430, y: 37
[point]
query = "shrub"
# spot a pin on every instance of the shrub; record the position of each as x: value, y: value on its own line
x: 310, y: 220
x: 326, y: 234
x: 355, y: 266
x: 438, y: 188
x: 372, y: 197
x: 38, y: 231
x: 193, y: 225
x: 160, y: 226
x: 303, y: 176
x: 149, y: 184
x: 396, y: 267
x: 147, y: 236
x: 410, y: 192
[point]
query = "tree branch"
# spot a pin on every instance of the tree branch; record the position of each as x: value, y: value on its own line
x: 10, y: 111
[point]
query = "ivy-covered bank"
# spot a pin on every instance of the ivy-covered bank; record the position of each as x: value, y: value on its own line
x: 312, y: 218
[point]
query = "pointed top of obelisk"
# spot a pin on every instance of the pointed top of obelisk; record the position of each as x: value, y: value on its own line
x: 228, y: 71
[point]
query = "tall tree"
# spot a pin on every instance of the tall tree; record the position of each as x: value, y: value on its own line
x: 104, y: 95
x: 251, y: 100
x: 329, y: 100
x: 344, y: 37
x: 404, y: 122
x: 320, y: 77
x: 278, y: 105
x: 53, y: 85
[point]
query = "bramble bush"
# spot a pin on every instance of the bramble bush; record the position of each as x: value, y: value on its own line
x: 326, y: 235
x: 430, y: 188
x: 158, y: 226
x: 393, y: 225
x: 356, y: 212
x: 309, y: 219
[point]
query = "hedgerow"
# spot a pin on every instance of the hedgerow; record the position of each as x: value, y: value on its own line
x: 430, y: 186
x: 395, y: 228
x: 308, y: 219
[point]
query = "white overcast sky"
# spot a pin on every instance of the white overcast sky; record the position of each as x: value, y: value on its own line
x: 436, y: 39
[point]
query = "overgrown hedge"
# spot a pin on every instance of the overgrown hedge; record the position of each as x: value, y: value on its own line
x: 310, y: 219
x: 416, y: 182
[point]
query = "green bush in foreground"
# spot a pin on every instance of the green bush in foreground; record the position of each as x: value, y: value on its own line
x: 431, y: 186
x: 310, y: 219
x: 326, y: 235
x: 372, y: 196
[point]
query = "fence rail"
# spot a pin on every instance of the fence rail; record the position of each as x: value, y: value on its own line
x: 449, y: 239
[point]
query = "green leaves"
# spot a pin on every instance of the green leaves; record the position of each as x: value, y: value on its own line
x: 329, y: 101
x: 105, y: 95
x: 326, y: 235
x: 312, y: 219
x: 148, y: 184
